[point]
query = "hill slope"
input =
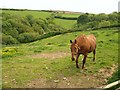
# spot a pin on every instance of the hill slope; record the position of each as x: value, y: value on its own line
x: 44, y: 15
x: 47, y: 62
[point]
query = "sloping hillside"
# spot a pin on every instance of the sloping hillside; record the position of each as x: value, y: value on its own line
x: 47, y: 62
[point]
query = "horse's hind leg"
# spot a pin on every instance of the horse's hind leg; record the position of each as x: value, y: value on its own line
x: 84, y: 60
x: 94, y: 52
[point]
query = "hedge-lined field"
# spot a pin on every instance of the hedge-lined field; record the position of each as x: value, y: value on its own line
x: 23, y: 26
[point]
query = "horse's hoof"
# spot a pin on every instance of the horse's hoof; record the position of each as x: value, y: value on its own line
x: 94, y: 60
x: 73, y: 59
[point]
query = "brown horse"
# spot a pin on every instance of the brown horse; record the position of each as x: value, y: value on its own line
x: 83, y: 45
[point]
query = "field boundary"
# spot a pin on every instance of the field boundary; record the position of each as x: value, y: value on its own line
x: 51, y: 34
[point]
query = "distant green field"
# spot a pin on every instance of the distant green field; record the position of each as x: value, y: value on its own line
x: 50, y: 59
x: 41, y: 14
x: 65, y: 23
x: 35, y: 14
x: 70, y: 15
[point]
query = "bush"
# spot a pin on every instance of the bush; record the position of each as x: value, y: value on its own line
x: 8, y: 39
x: 27, y: 37
x: 104, y: 24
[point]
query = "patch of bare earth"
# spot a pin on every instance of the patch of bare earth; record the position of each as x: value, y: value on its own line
x: 105, y: 73
x: 50, y: 55
x: 80, y: 80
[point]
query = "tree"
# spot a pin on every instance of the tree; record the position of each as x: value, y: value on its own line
x: 82, y: 19
x: 8, y: 39
x: 100, y: 17
x: 30, y: 19
x: 113, y: 16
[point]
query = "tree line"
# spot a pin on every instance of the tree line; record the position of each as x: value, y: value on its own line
x: 86, y: 21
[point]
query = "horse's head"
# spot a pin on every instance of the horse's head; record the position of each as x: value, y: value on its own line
x: 74, y: 48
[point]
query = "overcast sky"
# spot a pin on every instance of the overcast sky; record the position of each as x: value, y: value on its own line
x: 90, y: 6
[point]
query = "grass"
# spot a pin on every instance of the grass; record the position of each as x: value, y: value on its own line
x: 71, y: 15
x: 20, y: 67
x: 65, y: 23
x: 35, y: 14
x: 41, y: 14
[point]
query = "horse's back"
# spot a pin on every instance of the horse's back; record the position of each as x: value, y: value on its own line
x: 87, y: 43
x: 92, y: 40
x: 91, y: 36
x: 86, y: 39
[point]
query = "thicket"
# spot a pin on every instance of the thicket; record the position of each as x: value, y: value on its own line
x: 93, y: 21
x: 17, y: 29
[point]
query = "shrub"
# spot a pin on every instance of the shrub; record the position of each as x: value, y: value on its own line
x: 27, y: 37
x: 8, y: 39
x: 104, y: 24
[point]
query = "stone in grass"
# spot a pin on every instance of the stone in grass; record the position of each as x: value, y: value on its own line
x: 64, y: 78
x: 56, y: 81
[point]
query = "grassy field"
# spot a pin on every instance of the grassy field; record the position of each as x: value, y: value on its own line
x: 47, y: 62
x: 68, y: 24
x: 35, y: 14
x: 71, y: 15
x: 41, y: 14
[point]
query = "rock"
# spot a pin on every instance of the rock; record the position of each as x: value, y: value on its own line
x: 68, y: 84
x: 64, y: 78
x: 88, y: 78
x: 56, y: 81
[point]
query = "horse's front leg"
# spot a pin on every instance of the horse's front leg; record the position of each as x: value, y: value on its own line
x: 77, y: 56
x: 84, y: 60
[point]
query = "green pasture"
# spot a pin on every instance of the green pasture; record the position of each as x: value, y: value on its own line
x: 35, y: 14
x: 22, y: 63
x: 68, y: 24
x: 41, y: 14
x: 71, y: 15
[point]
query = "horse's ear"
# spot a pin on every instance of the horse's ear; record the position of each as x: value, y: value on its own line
x: 70, y: 41
x: 75, y: 41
